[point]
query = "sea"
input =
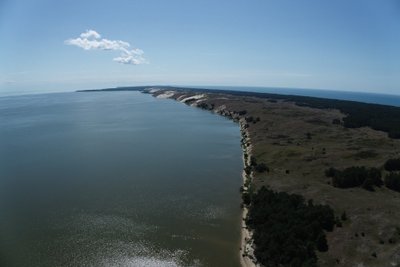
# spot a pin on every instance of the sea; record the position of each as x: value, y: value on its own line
x: 117, y: 179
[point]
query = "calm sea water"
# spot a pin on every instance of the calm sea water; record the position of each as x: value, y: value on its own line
x: 117, y: 179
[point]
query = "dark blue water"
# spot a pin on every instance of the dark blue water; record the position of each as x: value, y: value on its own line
x: 117, y: 179
x: 384, y: 99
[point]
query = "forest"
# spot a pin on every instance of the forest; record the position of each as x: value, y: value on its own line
x: 356, y: 176
x: 367, y: 178
x: 392, y: 165
x: 287, y: 229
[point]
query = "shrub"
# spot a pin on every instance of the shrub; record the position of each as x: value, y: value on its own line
x: 374, y: 174
x: 249, y: 119
x: 392, y: 181
x: 344, y: 216
x: 246, y: 198
x: 368, y: 185
x: 261, y: 167
x: 247, y: 170
x: 338, y: 223
x: 253, y: 161
x: 331, y: 172
x: 392, y: 165
x: 322, y: 244
x: 350, y: 177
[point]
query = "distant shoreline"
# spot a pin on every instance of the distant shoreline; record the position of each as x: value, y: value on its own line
x: 368, y: 97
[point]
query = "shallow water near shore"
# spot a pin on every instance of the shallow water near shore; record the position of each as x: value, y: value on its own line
x: 117, y: 179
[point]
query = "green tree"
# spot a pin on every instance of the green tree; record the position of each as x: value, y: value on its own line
x: 322, y: 244
x: 392, y: 181
x: 392, y: 165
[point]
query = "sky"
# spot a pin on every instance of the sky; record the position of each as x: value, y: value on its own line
x: 54, y: 46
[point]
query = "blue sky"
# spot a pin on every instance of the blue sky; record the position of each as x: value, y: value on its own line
x: 341, y: 45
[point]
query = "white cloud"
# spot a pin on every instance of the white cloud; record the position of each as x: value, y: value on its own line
x: 89, y: 34
x: 91, y: 40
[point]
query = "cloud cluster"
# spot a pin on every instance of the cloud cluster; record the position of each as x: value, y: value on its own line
x: 91, y: 40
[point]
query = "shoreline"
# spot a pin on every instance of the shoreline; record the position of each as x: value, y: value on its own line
x: 246, y: 252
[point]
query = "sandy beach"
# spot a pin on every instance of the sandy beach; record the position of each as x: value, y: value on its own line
x: 246, y: 252
x: 245, y: 260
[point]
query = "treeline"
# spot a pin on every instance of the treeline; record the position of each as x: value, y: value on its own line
x: 392, y: 165
x: 392, y: 180
x: 367, y: 178
x: 363, y: 177
x: 287, y: 230
x: 378, y: 117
